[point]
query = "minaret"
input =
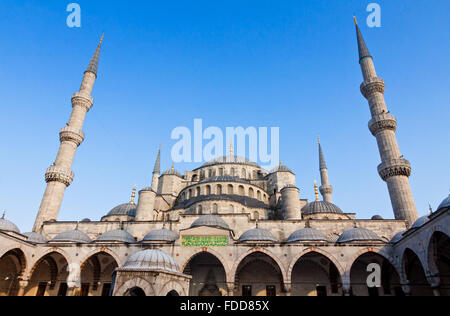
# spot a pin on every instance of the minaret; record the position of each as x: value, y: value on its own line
x: 394, y: 169
x: 325, y: 189
x: 147, y: 196
x: 156, y: 171
x: 59, y: 175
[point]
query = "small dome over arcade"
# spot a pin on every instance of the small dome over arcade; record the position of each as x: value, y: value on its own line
x: 397, y: 237
x: 116, y: 236
x: 161, y: 235
x: 420, y: 222
x: 36, y: 238
x: 151, y: 260
x: 210, y: 221
x: 257, y: 235
x: 75, y: 236
x: 8, y: 226
x: 445, y: 204
x: 358, y: 234
x: 307, y: 234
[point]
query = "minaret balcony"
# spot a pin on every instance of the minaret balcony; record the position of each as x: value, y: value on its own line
x: 68, y: 133
x: 382, y: 122
x: 82, y: 99
x: 59, y: 174
x: 372, y: 85
x: 394, y: 167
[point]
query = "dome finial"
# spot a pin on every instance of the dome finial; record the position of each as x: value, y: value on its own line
x: 133, y: 194
x: 356, y: 21
x: 173, y: 166
x: 316, y: 191
x: 430, y: 208
x: 4, y: 214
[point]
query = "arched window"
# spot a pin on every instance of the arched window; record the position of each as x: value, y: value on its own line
x: 221, y: 171
x: 190, y: 194
x: 230, y: 189
x: 231, y: 208
x: 258, y: 195
x: 200, y: 210
x: 202, y: 175
x: 215, y: 208
x: 256, y: 216
x: 208, y: 190
x: 198, y: 191
x: 233, y: 172
x: 194, y: 178
x: 241, y: 190
x: 219, y: 189
x: 210, y: 173
x: 251, y: 193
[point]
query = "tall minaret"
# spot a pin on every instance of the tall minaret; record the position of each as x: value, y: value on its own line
x: 156, y: 171
x: 59, y: 175
x: 147, y: 196
x: 326, y: 189
x: 394, y: 169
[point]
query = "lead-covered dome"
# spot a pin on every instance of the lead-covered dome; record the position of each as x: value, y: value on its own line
x: 358, y: 234
x: 444, y: 204
x: 319, y: 207
x: 420, y: 222
x: 36, y: 238
x: 224, y: 179
x: 161, y: 235
x: 397, y: 237
x: 128, y: 209
x: 230, y: 159
x: 307, y: 234
x: 210, y: 221
x: 258, y: 235
x: 8, y: 226
x: 116, y: 236
x: 72, y: 236
x: 151, y: 260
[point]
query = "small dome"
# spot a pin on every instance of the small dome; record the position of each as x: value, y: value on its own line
x: 36, y: 238
x: 151, y: 260
x: 210, y: 221
x: 72, y: 236
x: 8, y: 226
x: 173, y: 172
x: 128, y: 209
x: 307, y: 234
x: 116, y: 236
x: 162, y: 235
x: 86, y: 220
x: 377, y: 218
x: 358, y: 234
x: 420, y: 222
x: 257, y: 234
x: 397, y: 237
x: 444, y: 204
x: 230, y: 159
x: 318, y: 207
x: 281, y: 168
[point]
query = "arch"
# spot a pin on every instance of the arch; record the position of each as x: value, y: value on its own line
x: 258, y: 195
x: 12, y: 267
x: 379, y: 251
x: 137, y: 282
x: 438, y: 255
x: 230, y: 189
x: 215, y: 209
x: 96, y: 274
x: 414, y: 272
x: 219, y: 189
x: 215, y: 254
x: 200, y: 210
x: 241, y: 190
x: 208, y: 190
x: 33, y: 265
x: 172, y: 288
x: 251, y: 192
x: 108, y: 251
x: 197, y: 191
x: 194, y: 178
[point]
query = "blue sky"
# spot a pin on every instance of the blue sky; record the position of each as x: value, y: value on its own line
x: 232, y: 63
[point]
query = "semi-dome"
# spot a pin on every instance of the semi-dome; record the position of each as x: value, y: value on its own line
x: 116, y: 236
x: 36, y: 238
x: 397, y: 237
x: 230, y: 159
x: 420, y: 222
x: 72, y: 236
x: 318, y: 207
x: 210, y: 221
x: 128, y: 209
x: 444, y: 204
x: 258, y: 234
x: 161, y: 235
x: 307, y: 234
x: 151, y: 260
x: 358, y: 234
x: 8, y: 226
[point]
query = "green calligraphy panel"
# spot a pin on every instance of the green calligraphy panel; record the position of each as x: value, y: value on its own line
x: 204, y: 241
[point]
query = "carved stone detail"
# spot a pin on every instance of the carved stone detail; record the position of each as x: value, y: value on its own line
x: 58, y: 174
x: 394, y: 167
x: 69, y: 133
x: 382, y: 122
x: 81, y: 99
x: 372, y: 85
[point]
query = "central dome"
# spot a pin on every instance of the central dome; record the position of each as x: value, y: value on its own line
x: 230, y: 160
x: 151, y: 260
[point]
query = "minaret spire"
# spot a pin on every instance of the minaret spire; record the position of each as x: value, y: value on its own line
x: 59, y: 176
x: 325, y: 189
x: 394, y: 169
x: 156, y: 171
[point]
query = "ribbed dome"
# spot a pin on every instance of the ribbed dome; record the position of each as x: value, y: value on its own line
x: 123, y: 209
x: 72, y: 236
x: 444, y: 204
x: 8, y: 226
x: 173, y: 172
x: 210, y: 221
x: 420, y: 222
x: 397, y: 237
x: 161, y: 235
x: 318, y: 207
x: 36, y: 238
x: 307, y: 234
x: 116, y: 236
x: 230, y: 160
x: 281, y: 169
x: 151, y: 260
x: 358, y: 234
x: 257, y: 234
x: 224, y: 179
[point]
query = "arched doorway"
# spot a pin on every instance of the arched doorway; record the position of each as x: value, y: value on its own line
x: 439, y: 250
x: 315, y: 275
x: 97, y: 274
x: 173, y: 293
x: 208, y: 275
x: 415, y: 274
x: 49, y: 276
x: 135, y: 291
x: 389, y: 278
x: 258, y: 275
x: 12, y: 266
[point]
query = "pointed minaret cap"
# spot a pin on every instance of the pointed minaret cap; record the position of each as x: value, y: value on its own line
x: 362, y: 47
x: 322, y: 164
x: 93, y: 65
x: 157, y: 168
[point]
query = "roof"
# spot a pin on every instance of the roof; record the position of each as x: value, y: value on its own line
x: 36, y: 238
x: 128, y: 209
x: 307, y: 234
x: 421, y: 221
x: 317, y: 207
x: 151, y: 260
x: 397, y: 237
x: 244, y: 200
x: 230, y: 159
x: 210, y: 221
x: 172, y: 172
x: 224, y: 179
x: 444, y: 204
x: 8, y: 226
x: 257, y: 234
x: 116, y: 236
x: 358, y: 234
x: 163, y: 235
x: 72, y: 236
x: 281, y: 169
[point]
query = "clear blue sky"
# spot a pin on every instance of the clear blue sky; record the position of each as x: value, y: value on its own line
x: 291, y: 64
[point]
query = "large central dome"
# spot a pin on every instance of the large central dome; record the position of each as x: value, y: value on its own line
x: 230, y: 159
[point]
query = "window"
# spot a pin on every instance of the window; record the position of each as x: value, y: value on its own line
x: 106, y: 289
x: 321, y: 291
x: 62, y: 289
x: 208, y: 190
x: 241, y: 190
x: 198, y: 191
x: 215, y: 208
x: 271, y: 290
x: 230, y: 189
x: 220, y: 171
x: 246, y: 290
x: 251, y: 193
x: 219, y: 190
x: 200, y: 210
